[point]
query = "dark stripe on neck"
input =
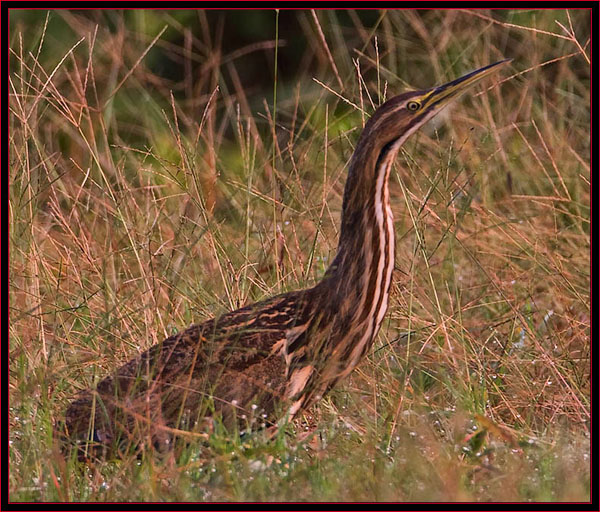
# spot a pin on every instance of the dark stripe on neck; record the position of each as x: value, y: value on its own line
x: 373, y: 272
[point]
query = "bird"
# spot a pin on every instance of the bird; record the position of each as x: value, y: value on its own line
x: 261, y: 365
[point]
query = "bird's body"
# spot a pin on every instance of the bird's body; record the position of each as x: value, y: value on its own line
x: 272, y: 359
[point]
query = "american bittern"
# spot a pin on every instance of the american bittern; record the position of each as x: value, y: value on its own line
x: 272, y: 359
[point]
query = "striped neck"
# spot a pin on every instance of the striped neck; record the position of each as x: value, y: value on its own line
x: 349, y: 304
x: 361, y: 272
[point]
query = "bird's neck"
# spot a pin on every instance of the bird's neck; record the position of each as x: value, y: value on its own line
x: 361, y: 272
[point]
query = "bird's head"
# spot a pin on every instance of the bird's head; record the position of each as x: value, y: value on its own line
x: 396, y: 119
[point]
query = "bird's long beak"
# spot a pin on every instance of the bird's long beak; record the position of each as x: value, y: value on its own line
x: 440, y: 96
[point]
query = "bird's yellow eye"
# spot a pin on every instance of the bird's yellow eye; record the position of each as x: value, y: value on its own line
x: 413, y: 106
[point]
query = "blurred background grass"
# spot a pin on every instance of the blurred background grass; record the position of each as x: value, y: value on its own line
x: 168, y: 166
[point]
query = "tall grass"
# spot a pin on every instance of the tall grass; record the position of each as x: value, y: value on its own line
x: 154, y: 184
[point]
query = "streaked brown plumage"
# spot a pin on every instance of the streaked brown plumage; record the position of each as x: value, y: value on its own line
x: 268, y: 361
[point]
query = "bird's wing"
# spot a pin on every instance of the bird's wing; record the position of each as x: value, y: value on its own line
x: 233, y: 366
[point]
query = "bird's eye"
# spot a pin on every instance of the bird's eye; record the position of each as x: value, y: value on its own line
x: 413, y: 106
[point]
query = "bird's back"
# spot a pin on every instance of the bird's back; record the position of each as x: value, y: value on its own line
x: 230, y: 369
